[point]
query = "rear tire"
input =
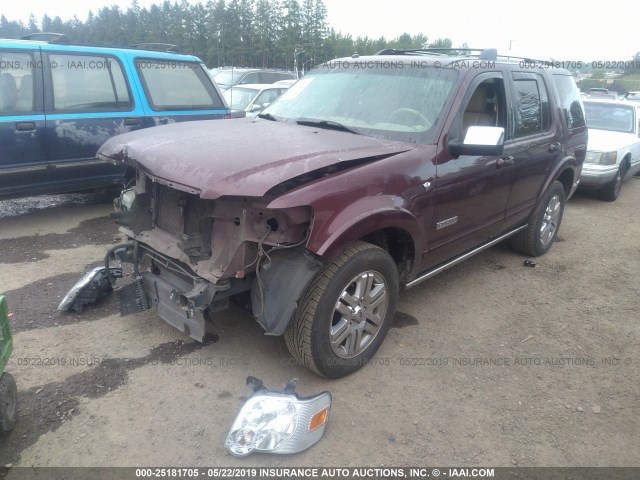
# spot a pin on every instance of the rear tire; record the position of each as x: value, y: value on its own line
x: 544, y: 224
x: 346, y: 311
x: 8, y: 403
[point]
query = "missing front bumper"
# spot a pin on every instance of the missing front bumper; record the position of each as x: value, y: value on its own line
x: 181, y: 298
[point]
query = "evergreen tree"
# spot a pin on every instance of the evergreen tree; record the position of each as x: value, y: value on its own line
x: 251, y: 33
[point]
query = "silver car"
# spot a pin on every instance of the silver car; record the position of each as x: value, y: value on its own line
x: 253, y: 98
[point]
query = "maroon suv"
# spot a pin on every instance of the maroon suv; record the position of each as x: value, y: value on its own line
x: 368, y: 176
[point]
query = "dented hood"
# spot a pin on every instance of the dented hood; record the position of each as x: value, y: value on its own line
x: 239, y: 157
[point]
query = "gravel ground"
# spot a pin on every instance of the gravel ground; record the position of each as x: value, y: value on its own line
x: 490, y: 363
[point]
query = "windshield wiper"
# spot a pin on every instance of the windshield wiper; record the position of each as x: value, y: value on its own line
x: 267, y: 116
x: 328, y: 124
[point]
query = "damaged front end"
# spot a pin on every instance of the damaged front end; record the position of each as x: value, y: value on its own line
x: 191, y: 255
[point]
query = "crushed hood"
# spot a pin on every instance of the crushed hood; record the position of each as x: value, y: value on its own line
x: 240, y: 157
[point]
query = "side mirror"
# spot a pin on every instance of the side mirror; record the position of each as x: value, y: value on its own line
x: 255, y: 108
x: 479, y: 141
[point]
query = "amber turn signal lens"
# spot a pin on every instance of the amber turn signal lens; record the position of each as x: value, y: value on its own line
x: 318, y: 419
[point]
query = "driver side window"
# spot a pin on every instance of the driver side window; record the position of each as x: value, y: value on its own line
x: 486, y: 106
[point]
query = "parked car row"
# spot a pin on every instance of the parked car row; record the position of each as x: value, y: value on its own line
x: 229, y: 77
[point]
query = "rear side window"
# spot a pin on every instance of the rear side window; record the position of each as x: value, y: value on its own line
x: 570, y: 101
x: 268, y: 96
x: 175, y: 85
x: 251, y: 77
x: 88, y: 83
x: 533, y: 114
x: 285, y: 76
x: 268, y: 77
x: 16, y: 83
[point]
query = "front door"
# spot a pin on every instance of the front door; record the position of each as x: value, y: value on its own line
x: 472, y: 191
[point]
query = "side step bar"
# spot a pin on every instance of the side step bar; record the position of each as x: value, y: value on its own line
x: 430, y: 273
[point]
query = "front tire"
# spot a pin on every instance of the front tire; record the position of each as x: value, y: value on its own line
x: 346, y: 311
x: 611, y: 190
x: 544, y: 224
x: 8, y: 403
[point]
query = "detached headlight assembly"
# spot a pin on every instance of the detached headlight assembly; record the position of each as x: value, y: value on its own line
x: 602, y: 158
x: 278, y: 422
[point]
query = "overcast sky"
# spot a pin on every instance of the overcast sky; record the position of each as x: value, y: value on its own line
x: 549, y: 28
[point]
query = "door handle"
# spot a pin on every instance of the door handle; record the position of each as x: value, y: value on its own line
x: 504, y: 162
x: 25, y: 126
x: 131, y: 121
x: 555, y: 147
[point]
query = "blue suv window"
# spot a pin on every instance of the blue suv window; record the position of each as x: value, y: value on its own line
x: 16, y: 83
x: 175, y: 85
x: 88, y: 83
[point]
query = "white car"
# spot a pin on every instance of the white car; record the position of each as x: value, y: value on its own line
x: 613, y: 150
x: 632, y: 97
x: 253, y: 98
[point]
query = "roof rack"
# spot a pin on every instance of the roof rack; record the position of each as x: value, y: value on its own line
x: 49, y: 37
x: 61, y: 38
x: 163, y: 47
x: 484, y: 53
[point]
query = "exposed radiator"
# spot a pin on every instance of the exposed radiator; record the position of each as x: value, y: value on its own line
x: 178, y: 212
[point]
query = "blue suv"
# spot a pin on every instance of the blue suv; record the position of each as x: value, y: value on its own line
x: 59, y: 103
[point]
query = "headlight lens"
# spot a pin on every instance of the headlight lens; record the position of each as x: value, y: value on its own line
x: 278, y: 422
x: 602, y: 158
x: 592, y: 157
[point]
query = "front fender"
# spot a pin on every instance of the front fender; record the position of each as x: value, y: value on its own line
x: 356, y: 221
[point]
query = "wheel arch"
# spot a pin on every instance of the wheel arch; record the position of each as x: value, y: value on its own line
x: 626, y: 161
x: 566, y: 172
x: 395, y: 231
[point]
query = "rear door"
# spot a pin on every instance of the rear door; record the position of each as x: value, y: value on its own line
x: 534, y: 142
x: 88, y: 99
x: 22, y: 122
x: 177, y: 91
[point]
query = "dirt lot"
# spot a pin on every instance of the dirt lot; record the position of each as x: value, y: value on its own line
x: 491, y: 363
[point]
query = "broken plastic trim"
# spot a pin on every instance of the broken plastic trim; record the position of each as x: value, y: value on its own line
x: 93, y: 286
x: 278, y: 421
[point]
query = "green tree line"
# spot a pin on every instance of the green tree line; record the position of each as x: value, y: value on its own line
x: 248, y: 33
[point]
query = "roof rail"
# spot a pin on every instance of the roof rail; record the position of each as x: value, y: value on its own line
x: 50, y: 37
x: 61, y: 38
x: 163, y: 47
x: 484, y: 53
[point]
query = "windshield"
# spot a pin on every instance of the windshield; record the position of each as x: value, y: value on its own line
x: 227, y: 77
x: 239, y: 97
x: 608, y: 116
x: 389, y: 100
